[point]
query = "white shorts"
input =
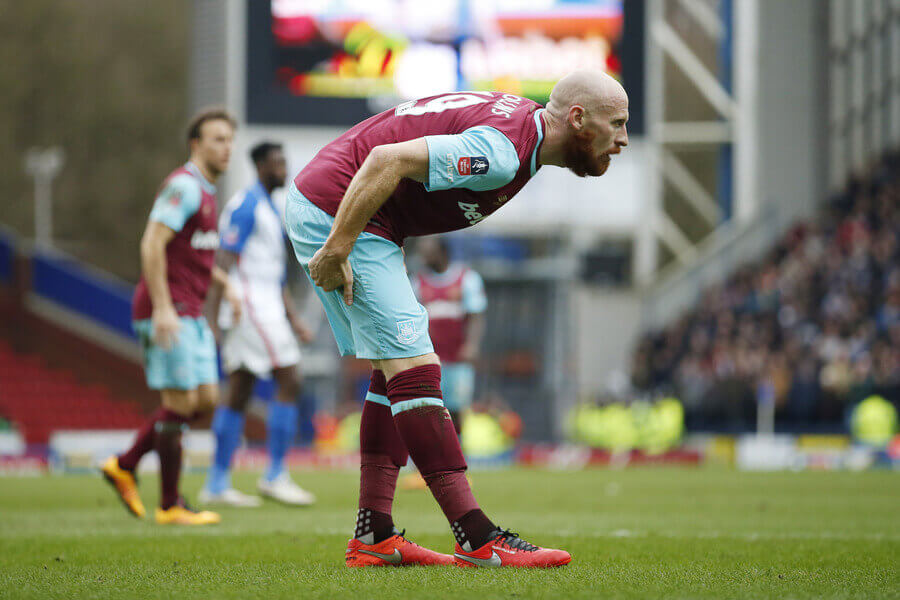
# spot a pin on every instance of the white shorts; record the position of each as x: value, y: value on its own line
x: 260, y: 347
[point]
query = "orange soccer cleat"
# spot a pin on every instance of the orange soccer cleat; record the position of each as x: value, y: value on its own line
x: 181, y: 514
x: 395, y: 551
x: 507, y: 549
x: 125, y: 485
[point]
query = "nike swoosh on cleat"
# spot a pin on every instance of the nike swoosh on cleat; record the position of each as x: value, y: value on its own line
x: 493, y: 561
x: 395, y: 559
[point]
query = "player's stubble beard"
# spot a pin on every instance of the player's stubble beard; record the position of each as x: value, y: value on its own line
x: 273, y: 182
x: 212, y: 167
x: 217, y: 164
x: 581, y: 158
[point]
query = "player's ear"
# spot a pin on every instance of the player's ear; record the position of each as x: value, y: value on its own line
x: 576, y: 117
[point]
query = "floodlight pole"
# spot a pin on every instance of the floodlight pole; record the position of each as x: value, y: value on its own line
x: 43, y: 165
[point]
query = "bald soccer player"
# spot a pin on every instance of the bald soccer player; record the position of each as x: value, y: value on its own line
x: 429, y: 166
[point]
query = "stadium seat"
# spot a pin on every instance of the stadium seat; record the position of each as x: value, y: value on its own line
x: 38, y: 399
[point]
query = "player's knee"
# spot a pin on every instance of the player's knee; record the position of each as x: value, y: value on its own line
x: 393, y: 366
x: 289, y: 383
x: 180, y: 402
x: 237, y: 402
x: 207, y: 397
x: 240, y: 388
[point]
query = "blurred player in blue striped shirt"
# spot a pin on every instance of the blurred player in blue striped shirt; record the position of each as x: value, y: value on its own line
x: 264, y: 341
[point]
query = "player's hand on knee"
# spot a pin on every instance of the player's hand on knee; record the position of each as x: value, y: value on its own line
x: 165, y: 327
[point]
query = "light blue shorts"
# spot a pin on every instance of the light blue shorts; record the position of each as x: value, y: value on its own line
x: 385, y: 320
x: 457, y: 385
x: 189, y: 363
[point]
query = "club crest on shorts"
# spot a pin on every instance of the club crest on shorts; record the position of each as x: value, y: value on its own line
x: 406, y: 331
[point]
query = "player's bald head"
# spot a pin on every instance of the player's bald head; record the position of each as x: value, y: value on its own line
x: 595, y: 91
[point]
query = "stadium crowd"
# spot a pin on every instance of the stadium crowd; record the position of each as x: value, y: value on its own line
x: 814, y: 327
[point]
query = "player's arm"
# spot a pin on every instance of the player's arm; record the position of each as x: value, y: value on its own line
x: 221, y: 288
x: 475, y: 326
x: 298, y: 325
x: 176, y: 203
x: 475, y: 304
x: 153, y: 266
x: 235, y: 227
x: 373, y: 184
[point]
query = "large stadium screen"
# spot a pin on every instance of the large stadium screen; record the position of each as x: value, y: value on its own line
x: 340, y: 61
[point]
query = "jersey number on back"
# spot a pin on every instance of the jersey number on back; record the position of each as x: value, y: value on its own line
x: 443, y: 103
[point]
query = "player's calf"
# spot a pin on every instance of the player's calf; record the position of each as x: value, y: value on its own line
x: 429, y: 435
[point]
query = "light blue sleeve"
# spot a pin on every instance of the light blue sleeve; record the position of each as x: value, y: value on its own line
x: 240, y: 225
x: 474, y: 299
x: 479, y: 159
x: 177, y: 202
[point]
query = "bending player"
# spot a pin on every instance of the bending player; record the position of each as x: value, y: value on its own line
x: 429, y: 166
x: 454, y: 297
x: 252, y: 251
x: 177, y: 255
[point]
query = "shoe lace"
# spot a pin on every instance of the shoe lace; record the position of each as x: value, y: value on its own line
x: 512, y: 539
x: 402, y: 535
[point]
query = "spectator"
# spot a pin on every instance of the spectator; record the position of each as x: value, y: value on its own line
x: 816, y: 322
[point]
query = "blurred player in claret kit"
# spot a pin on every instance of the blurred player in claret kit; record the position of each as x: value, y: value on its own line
x: 177, y: 263
x: 453, y: 294
x: 428, y: 166
x: 253, y: 252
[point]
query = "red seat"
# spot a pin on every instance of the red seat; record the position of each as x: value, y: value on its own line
x: 39, y: 399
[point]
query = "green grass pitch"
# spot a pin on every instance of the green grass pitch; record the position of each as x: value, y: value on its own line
x: 638, y: 533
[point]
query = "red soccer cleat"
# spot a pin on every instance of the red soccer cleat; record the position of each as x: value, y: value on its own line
x: 396, y: 551
x: 507, y: 549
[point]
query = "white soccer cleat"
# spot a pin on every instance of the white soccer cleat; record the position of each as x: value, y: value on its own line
x: 230, y: 497
x: 283, y: 489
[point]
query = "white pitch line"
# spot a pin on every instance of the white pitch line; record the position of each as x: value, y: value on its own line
x: 747, y: 536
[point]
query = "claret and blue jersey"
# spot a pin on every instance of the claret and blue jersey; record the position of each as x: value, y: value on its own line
x: 483, y: 147
x: 186, y: 204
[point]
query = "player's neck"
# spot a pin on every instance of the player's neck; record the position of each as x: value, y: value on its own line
x: 552, y: 148
x: 204, y: 169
